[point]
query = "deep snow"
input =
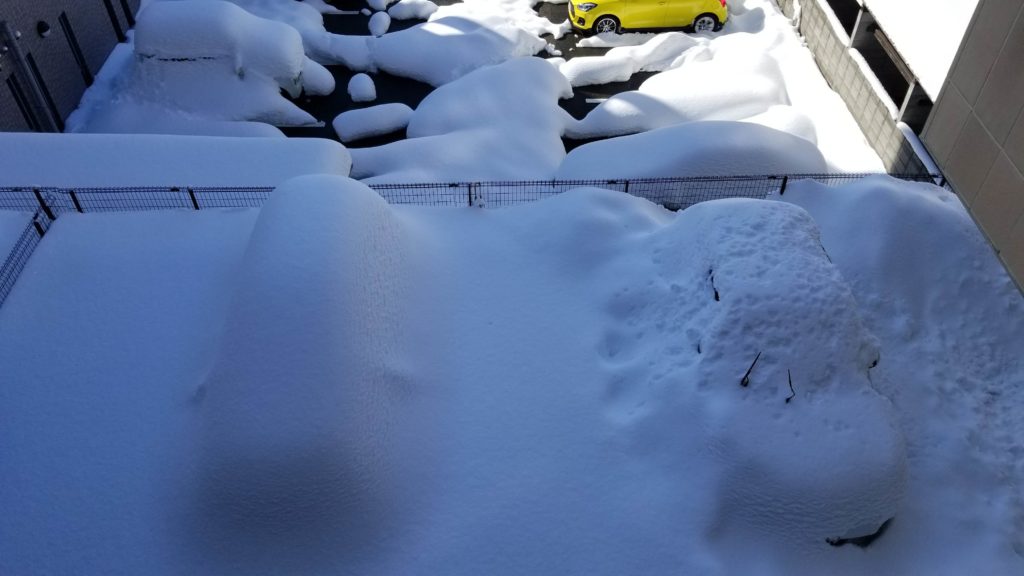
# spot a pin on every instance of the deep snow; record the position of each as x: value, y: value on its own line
x: 558, y: 386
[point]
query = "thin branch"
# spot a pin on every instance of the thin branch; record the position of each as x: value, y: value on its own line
x: 746, y: 377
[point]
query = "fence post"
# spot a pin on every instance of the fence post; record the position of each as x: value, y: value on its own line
x: 785, y: 181
x: 626, y: 187
x: 42, y: 204
x: 469, y: 193
x: 192, y: 196
x: 38, y: 227
x: 74, y: 199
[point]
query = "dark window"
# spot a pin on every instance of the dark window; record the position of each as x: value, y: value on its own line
x: 114, y: 21
x: 23, y: 105
x: 46, y: 92
x: 76, y: 49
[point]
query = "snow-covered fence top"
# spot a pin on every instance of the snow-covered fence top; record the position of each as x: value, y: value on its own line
x: 46, y: 204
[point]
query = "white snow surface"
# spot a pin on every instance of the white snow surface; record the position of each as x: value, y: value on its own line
x: 361, y: 88
x: 695, y: 149
x: 446, y: 48
x: 379, y: 23
x: 412, y: 9
x: 702, y: 90
x: 12, y: 224
x: 372, y: 121
x: 195, y: 60
x: 496, y: 123
x: 756, y: 63
x: 343, y: 386
x: 926, y: 33
x: 87, y: 160
x: 618, y: 64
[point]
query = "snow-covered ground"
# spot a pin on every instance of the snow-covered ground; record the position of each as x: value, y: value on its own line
x: 335, y: 385
x: 589, y: 384
x: 12, y: 224
x: 756, y: 70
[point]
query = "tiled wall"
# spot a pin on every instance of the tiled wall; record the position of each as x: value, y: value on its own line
x: 845, y: 77
x: 976, y: 130
x: 96, y: 34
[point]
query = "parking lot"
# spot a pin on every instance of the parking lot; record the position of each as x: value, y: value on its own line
x: 411, y: 92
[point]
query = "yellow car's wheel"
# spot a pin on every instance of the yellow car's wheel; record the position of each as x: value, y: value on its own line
x: 706, y: 23
x: 606, y: 24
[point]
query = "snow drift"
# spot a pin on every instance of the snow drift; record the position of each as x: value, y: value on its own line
x: 297, y: 410
x: 498, y: 122
x: 718, y: 89
x: 695, y: 149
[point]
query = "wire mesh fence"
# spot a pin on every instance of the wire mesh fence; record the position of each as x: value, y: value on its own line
x: 47, y: 204
x: 19, y: 254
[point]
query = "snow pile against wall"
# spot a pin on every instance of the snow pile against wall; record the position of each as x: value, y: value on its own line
x: 84, y: 160
x: 695, y: 149
x: 498, y: 122
x: 951, y: 327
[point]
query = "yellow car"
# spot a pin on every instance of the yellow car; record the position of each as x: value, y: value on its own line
x: 613, y: 15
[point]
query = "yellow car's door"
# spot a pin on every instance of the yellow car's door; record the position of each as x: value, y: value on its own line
x: 682, y: 12
x: 644, y: 13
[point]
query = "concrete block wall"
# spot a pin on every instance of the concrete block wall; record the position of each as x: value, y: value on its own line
x: 844, y: 75
x: 97, y: 25
x: 976, y: 130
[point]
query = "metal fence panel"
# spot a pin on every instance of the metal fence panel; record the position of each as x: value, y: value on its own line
x: 18, y: 257
x: 674, y: 193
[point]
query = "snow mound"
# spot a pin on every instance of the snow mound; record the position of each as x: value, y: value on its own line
x: 379, y: 23
x: 379, y: 5
x: 362, y: 89
x: 297, y: 409
x: 215, y: 60
x: 618, y: 64
x: 507, y: 114
x: 372, y: 121
x: 744, y: 302
x: 518, y: 13
x: 712, y: 89
x: 447, y: 48
x: 412, y: 10
x: 695, y: 149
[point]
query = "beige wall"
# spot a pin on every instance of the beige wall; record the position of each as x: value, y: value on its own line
x: 976, y: 130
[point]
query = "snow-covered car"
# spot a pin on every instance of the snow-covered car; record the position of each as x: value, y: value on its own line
x: 614, y: 15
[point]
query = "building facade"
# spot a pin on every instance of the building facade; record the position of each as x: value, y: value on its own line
x: 50, y: 52
x: 976, y: 130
